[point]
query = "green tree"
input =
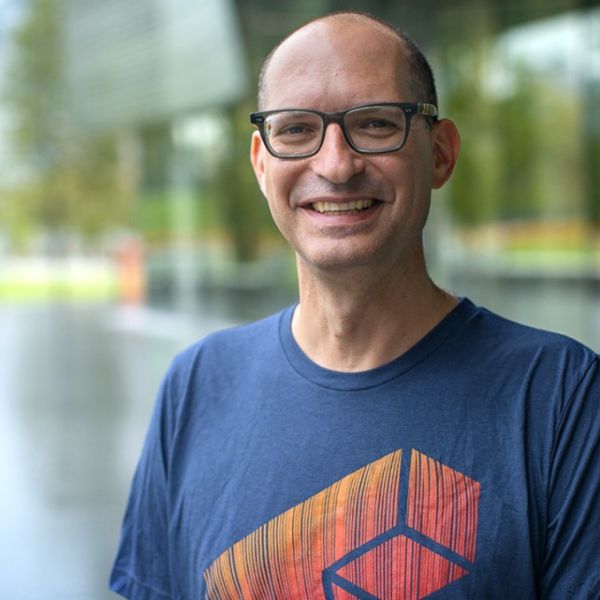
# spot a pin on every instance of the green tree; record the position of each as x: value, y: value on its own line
x: 520, y: 148
x: 242, y: 208
x: 472, y: 189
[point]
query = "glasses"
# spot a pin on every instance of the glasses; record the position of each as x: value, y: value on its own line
x: 368, y: 129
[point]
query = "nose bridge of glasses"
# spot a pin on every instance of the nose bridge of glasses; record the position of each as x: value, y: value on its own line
x: 337, y: 118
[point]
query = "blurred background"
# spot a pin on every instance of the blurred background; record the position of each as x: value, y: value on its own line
x: 131, y: 225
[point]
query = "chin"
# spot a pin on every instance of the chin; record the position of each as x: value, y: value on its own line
x: 335, y: 260
x: 382, y: 258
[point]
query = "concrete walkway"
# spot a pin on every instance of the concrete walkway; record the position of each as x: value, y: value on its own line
x: 77, y: 388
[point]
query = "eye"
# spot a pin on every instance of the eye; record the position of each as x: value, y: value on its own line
x: 375, y: 128
x: 379, y: 124
x: 285, y: 132
x: 291, y: 126
x: 376, y: 122
x: 294, y: 129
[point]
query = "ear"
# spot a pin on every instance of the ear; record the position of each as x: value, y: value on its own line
x: 446, y: 146
x: 257, y: 158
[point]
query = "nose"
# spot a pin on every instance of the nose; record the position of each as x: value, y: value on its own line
x: 336, y: 161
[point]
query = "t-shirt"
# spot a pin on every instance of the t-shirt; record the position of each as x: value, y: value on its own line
x: 468, y: 467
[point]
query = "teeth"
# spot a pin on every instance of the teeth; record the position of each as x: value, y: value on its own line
x: 324, y: 207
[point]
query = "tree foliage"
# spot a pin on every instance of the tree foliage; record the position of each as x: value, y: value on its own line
x: 241, y: 206
x: 523, y: 151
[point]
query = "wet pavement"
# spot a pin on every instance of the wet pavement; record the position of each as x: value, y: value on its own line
x: 77, y: 385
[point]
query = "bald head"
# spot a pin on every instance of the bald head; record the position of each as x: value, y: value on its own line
x: 341, y: 28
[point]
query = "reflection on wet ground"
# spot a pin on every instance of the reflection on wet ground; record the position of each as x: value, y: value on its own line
x: 77, y: 388
x: 78, y: 384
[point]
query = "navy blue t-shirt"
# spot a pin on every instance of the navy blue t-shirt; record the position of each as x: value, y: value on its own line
x: 468, y: 467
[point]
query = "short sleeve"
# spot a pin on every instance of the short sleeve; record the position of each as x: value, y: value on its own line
x: 141, y: 568
x: 571, y: 567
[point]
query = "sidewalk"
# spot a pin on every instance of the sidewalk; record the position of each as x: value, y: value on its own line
x: 78, y: 387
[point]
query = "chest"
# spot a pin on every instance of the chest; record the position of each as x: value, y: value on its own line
x: 316, y: 494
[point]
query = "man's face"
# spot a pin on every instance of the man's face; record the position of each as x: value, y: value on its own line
x: 340, y: 208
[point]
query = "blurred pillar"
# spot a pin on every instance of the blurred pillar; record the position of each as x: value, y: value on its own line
x: 184, y: 174
x: 592, y: 153
x: 591, y: 123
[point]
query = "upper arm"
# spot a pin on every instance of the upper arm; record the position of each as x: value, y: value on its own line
x: 571, y: 568
x: 142, y: 567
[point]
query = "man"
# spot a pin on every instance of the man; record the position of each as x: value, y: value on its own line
x: 381, y: 439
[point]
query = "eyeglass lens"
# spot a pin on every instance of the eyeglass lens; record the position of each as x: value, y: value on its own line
x: 371, y: 129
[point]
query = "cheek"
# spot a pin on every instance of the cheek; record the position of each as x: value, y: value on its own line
x: 411, y: 181
x: 415, y: 178
x: 277, y: 187
x: 281, y: 178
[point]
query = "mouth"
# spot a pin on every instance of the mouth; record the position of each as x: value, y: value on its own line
x: 354, y: 206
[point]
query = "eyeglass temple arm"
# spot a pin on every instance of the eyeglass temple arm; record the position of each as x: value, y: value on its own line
x: 428, y: 110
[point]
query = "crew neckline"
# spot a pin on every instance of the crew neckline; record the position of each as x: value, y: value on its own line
x: 362, y: 380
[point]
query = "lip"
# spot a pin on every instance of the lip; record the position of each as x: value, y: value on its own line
x: 307, y: 203
x: 340, y: 218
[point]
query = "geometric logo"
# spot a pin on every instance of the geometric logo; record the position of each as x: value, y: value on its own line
x: 371, y: 535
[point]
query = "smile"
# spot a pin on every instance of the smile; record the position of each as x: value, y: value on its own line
x: 337, y: 207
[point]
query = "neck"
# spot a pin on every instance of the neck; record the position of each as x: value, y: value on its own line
x: 358, y: 320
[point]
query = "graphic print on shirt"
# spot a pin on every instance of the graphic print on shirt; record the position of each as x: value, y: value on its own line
x: 351, y: 539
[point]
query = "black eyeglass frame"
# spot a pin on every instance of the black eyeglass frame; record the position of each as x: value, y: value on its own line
x: 410, y: 109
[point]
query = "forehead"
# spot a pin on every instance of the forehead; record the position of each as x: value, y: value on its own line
x: 336, y: 63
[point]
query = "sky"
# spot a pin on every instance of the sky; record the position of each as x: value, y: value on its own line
x: 10, y: 10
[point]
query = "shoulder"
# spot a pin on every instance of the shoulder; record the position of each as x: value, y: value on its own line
x: 229, y: 348
x: 237, y: 338
x: 529, y: 351
x: 520, y: 337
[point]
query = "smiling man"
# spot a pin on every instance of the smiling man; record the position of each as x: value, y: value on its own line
x: 355, y: 219
x: 382, y: 438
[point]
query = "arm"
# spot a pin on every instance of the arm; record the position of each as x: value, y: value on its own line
x: 571, y: 567
x: 141, y: 570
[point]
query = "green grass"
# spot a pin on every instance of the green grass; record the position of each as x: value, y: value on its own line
x: 20, y: 289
